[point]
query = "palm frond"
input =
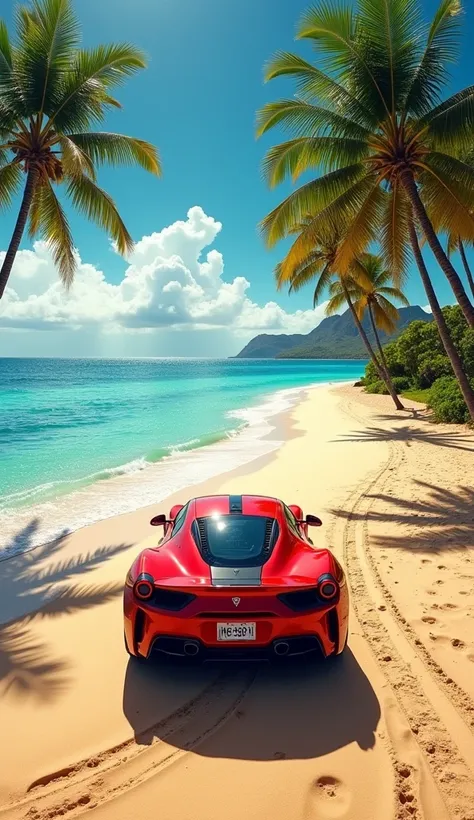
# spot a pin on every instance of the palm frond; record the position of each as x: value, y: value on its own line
x: 34, y: 214
x: 334, y: 28
x: 331, y: 220
x: 385, y: 315
x: 10, y: 176
x: 450, y: 124
x: 361, y: 230
x: 314, y: 85
x: 98, y: 206
x: 388, y: 32
x: 305, y: 119
x: 74, y: 160
x: 46, y: 48
x: 452, y: 244
x: 461, y: 173
x: 360, y: 280
x: 295, y: 157
x: 54, y: 228
x: 441, y: 48
x: 394, y: 231
x: 5, y: 53
x: 335, y: 303
x: 447, y: 200
x: 86, y: 86
x: 394, y: 293
x: 322, y: 283
x: 308, y: 199
x: 300, y: 275
x: 118, y: 149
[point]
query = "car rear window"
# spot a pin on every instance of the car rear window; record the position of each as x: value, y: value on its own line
x: 235, y: 540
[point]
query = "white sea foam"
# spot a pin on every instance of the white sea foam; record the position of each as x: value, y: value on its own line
x: 140, y: 483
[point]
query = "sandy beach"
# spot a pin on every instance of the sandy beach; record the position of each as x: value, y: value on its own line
x: 385, y: 734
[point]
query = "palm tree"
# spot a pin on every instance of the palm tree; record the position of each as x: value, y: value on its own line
x: 51, y: 94
x: 372, y: 121
x: 455, y: 243
x: 320, y: 265
x: 369, y: 293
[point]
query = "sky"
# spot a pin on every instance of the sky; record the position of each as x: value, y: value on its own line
x: 200, y: 281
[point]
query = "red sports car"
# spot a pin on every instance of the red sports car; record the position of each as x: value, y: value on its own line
x: 235, y: 576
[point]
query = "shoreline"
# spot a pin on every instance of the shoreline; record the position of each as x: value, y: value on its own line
x: 117, y: 492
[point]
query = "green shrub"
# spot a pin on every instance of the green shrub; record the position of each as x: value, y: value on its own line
x: 467, y: 352
x: 371, y: 374
x: 417, y: 361
x: 376, y: 387
x: 401, y: 383
x: 432, y: 367
x: 446, y: 401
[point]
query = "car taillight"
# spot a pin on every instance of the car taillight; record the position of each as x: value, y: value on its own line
x: 144, y: 586
x: 327, y: 587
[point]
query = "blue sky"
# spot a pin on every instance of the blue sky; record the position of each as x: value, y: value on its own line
x: 197, y: 103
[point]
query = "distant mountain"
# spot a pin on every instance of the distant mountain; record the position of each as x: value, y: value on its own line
x: 335, y: 338
x: 267, y: 346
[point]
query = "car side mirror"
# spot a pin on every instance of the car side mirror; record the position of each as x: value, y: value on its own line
x: 313, y: 521
x: 159, y: 520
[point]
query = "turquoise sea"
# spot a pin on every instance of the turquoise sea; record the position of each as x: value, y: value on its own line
x: 76, y: 426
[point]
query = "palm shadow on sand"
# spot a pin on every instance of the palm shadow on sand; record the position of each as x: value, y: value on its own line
x: 35, y: 584
x: 407, y: 434
x: 441, y: 520
x: 293, y: 711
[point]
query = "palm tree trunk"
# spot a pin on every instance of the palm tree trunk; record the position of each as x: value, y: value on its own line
x: 466, y: 266
x: 19, y: 229
x: 364, y: 337
x: 377, y: 339
x: 435, y: 245
x: 443, y: 330
x: 384, y: 365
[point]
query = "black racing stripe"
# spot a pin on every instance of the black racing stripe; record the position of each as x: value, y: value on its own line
x: 235, y: 504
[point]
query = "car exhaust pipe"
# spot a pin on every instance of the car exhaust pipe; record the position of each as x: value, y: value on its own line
x: 281, y: 648
x: 191, y: 648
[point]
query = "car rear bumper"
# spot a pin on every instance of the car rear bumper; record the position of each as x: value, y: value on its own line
x: 179, y: 647
x: 148, y: 631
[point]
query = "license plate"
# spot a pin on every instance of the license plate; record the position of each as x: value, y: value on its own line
x: 236, y: 632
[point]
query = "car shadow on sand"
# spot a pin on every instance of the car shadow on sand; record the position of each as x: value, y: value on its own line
x: 296, y: 710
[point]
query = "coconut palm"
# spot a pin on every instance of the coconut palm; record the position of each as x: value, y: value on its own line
x: 455, y: 243
x: 320, y: 265
x: 370, y: 293
x: 51, y: 94
x: 372, y: 121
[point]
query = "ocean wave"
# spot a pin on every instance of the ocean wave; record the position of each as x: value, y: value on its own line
x: 164, y: 471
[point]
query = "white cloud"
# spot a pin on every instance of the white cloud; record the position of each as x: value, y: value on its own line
x: 426, y: 308
x: 166, y: 285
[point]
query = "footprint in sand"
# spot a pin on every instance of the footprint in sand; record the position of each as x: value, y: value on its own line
x: 457, y: 643
x: 470, y: 657
x: 428, y: 619
x: 328, y: 799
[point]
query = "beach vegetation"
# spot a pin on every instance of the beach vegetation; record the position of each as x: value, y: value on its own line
x: 53, y: 94
x: 376, y: 153
x: 421, y: 370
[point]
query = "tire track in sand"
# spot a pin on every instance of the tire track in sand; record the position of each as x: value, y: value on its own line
x: 96, y: 780
x: 422, y: 693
